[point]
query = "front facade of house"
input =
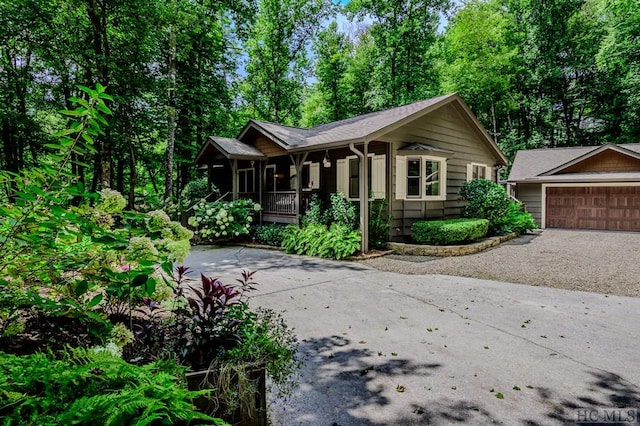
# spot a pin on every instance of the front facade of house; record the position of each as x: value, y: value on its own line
x: 417, y: 158
x: 580, y: 187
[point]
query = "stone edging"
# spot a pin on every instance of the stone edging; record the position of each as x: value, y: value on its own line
x: 446, y: 251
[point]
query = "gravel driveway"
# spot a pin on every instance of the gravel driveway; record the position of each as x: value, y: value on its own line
x: 594, y: 261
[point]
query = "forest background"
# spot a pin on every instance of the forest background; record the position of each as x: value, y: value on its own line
x: 537, y: 73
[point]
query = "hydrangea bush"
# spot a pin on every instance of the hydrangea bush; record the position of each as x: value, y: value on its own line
x: 223, y: 220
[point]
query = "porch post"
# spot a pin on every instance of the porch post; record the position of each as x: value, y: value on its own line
x: 364, y: 198
x: 260, y: 188
x: 234, y: 179
x: 298, y: 162
x: 363, y: 183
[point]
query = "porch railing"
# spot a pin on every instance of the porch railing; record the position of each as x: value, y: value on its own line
x: 279, y: 202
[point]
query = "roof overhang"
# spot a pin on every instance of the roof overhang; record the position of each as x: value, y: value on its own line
x: 231, y: 149
x: 590, y: 154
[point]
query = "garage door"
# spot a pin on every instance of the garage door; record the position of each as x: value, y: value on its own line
x: 615, y: 208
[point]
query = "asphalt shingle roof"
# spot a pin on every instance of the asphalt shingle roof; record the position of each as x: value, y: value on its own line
x: 529, y: 164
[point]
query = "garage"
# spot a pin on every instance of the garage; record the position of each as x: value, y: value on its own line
x: 614, y: 208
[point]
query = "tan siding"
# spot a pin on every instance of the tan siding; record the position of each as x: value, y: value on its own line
x: 446, y: 129
x: 531, y: 195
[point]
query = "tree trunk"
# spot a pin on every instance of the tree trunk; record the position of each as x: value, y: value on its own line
x: 171, y: 117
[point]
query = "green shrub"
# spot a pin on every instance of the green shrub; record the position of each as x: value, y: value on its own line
x: 343, y: 211
x: 88, y: 387
x: 223, y: 220
x: 271, y: 235
x: 194, y: 191
x: 316, y: 214
x: 485, y: 200
x: 516, y: 220
x: 379, y: 221
x: 338, y: 242
x: 450, y: 231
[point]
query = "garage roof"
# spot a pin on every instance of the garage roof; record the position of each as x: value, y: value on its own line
x: 537, y: 165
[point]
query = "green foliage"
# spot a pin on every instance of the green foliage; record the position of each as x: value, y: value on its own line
x: 87, y: 387
x: 194, y: 191
x: 271, y: 235
x: 266, y: 340
x: 485, y: 200
x: 343, y: 211
x: 516, y: 220
x: 379, y: 222
x: 316, y: 214
x: 223, y: 220
x: 452, y: 231
x: 337, y: 242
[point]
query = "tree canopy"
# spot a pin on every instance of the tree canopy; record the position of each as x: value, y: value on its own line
x: 536, y: 73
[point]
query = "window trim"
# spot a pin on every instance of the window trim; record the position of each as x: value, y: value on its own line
x: 403, y: 180
x: 486, y: 167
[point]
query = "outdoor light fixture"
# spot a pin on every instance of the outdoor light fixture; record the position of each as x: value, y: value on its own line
x: 326, y: 162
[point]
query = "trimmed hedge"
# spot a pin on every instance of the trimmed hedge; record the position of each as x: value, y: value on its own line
x: 452, y: 231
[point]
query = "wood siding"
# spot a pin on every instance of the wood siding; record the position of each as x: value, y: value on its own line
x: 607, y: 161
x: 447, y: 129
x: 268, y: 147
x: 531, y: 195
x: 615, y: 208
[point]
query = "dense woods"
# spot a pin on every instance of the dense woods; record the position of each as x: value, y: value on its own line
x: 537, y: 73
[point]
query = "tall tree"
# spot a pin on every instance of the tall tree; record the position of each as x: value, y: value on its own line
x: 277, y: 57
x: 403, y: 31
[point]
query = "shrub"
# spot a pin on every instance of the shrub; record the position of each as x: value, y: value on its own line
x: 93, y: 387
x: 194, y: 191
x: 379, y: 221
x: 316, y: 214
x: 516, y: 220
x: 223, y: 220
x: 343, y: 211
x: 485, y: 200
x: 338, y: 242
x: 450, y: 231
x: 271, y: 235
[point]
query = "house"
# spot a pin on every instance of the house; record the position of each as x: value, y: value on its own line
x: 587, y: 187
x: 417, y: 157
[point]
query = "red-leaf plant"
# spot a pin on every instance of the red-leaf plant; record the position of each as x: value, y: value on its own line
x: 210, y: 330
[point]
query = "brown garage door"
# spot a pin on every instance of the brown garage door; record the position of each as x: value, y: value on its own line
x: 615, y: 208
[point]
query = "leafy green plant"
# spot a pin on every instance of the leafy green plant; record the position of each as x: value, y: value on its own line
x: 343, y: 211
x: 337, y: 242
x: 223, y: 220
x: 516, y: 220
x: 194, y: 191
x: 379, y: 222
x: 94, y: 387
x: 485, y: 200
x: 450, y: 231
x: 271, y: 235
x: 315, y: 213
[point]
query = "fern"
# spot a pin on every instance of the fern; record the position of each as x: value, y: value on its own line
x: 93, y: 388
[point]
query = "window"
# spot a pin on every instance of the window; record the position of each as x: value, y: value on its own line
x: 270, y: 182
x: 354, y: 178
x: 245, y: 180
x: 310, y: 176
x: 421, y: 178
x: 348, y: 176
x: 478, y: 171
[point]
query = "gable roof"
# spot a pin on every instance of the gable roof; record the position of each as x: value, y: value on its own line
x: 231, y: 148
x: 363, y: 128
x: 540, y: 164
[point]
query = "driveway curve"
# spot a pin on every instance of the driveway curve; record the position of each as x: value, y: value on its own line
x: 594, y: 261
x: 382, y: 348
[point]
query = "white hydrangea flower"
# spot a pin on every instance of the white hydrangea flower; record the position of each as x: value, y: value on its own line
x: 223, y: 213
x: 249, y: 219
x: 224, y: 232
x: 257, y: 207
x: 230, y: 218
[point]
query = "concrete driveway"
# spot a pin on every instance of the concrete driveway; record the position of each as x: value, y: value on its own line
x: 381, y: 348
